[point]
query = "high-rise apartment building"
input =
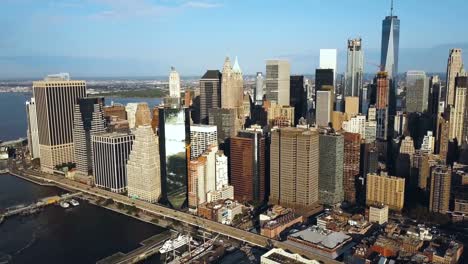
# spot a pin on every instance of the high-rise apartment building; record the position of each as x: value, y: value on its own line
x: 202, y: 177
x: 294, y: 167
x: 459, y: 111
x: 428, y: 144
x: 88, y: 120
x: 247, y: 159
x: 329, y: 60
x: 232, y: 85
x: 454, y: 69
x: 33, y: 130
x: 143, y: 166
x: 56, y: 97
x: 110, y: 156
x: 390, y: 44
x: 354, y: 68
x: 210, y: 93
x: 440, y: 189
x: 356, y: 124
x: 174, y: 83
x: 442, y: 137
x: 417, y: 92
x: 277, y: 81
x: 259, y: 89
x: 331, y: 168
x: 407, y: 146
x: 324, y: 106
x: 298, y: 97
x: 400, y: 125
x: 222, y: 178
x: 201, y: 137
x: 352, y: 155
x: 385, y: 189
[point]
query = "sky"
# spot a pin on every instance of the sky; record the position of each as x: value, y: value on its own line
x: 106, y: 38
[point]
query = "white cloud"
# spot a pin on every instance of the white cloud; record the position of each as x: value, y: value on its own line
x: 196, y: 4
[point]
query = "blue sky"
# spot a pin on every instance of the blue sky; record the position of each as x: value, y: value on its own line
x: 146, y: 37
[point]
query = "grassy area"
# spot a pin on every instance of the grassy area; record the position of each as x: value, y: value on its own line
x: 147, y: 93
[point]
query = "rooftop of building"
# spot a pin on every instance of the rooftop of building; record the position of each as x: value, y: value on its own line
x: 279, y: 255
x: 322, y: 237
x: 212, y: 74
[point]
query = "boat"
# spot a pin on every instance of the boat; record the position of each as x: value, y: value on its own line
x: 74, y: 202
x: 64, y: 204
x: 173, y: 244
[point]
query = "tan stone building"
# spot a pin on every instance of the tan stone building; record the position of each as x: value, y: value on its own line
x: 285, y: 113
x: 440, y: 189
x: 232, y: 85
x: 385, y: 189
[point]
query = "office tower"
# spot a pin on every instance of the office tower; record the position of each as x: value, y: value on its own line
x: 222, y: 178
x: 417, y: 91
x: 298, y: 97
x: 202, y: 177
x: 400, y: 126
x: 247, y: 159
x: 364, y: 99
x: 434, y: 97
x: 324, y: 106
x: 428, y: 143
x: 407, y: 146
x: 323, y: 77
x: 369, y: 160
x: 201, y: 137
x: 370, y: 131
x: 454, y: 69
x: 351, y: 106
x: 328, y: 60
x: 428, y: 161
x: 390, y: 44
x: 226, y: 121
x: 440, y: 189
x: 210, y: 93
x: 88, y: 120
x: 131, y: 109
x: 443, y: 137
x: 331, y: 168
x: 174, y: 151
x: 117, y: 110
x: 294, y: 167
x: 232, y: 85
x: 110, y: 156
x: 458, y: 111
x: 259, y: 89
x: 285, y: 113
x: 277, y: 81
x: 174, y: 83
x: 142, y: 115
x: 56, y: 97
x: 382, y: 103
x: 352, y: 152
x: 33, y: 130
x: 385, y: 189
x: 354, y: 68
x: 143, y: 167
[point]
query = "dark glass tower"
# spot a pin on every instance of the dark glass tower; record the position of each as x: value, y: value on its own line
x: 298, y: 97
x: 390, y: 44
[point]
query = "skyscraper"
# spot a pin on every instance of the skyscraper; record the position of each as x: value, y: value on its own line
x: 417, y: 91
x: 324, y: 106
x: 440, y: 189
x: 390, y: 44
x: 142, y: 115
x: 458, y: 111
x: 202, y: 177
x: 174, y: 83
x: 323, y: 77
x: 88, y: 120
x: 110, y: 156
x: 33, y: 132
x: 298, y: 97
x: 232, y: 85
x: 352, y: 152
x: 294, y: 167
x: 354, y: 68
x: 259, y: 88
x: 385, y: 189
x: 454, y: 68
x: 331, y: 168
x: 247, y: 160
x: 222, y: 178
x: 143, y: 166
x: 201, y: 137
x: 226, y: 121
x: 56, y: 97
x: 131, y: 109
x: 328, y: 60
x: 210, y: 93
x: 278, y: 81
x: 382, y: 104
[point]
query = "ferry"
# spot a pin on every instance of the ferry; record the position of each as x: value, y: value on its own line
x: 74, y: 202
x: 64, y: 204
x: 173, y: 244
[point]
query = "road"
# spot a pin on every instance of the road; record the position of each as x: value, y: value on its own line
x: 165, y: 212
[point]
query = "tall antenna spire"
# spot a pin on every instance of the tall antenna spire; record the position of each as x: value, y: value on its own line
x: 391, y: 9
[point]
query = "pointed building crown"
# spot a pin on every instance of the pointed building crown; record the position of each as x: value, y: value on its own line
x: 236, y: 68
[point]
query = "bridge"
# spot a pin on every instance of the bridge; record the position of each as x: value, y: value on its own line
x: 164, y: 212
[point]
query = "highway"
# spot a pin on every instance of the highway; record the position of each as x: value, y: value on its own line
x: 165, y: 212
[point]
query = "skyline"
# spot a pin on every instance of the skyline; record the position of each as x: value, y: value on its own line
x: 112, y: 38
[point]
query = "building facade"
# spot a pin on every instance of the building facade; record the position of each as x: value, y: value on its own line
x: 352, y: 155
x: 385, y: 189
x: 331, y: 168
x: 354, y: 68
x: 33, y: 130
x: 277, y: 81
x: 454, y: 68
x: 440, y: 189
x: 174, y: 83
x: 201, y: 137
x: 210, y: 93
x: 232, y: 85
x: 417, y: 92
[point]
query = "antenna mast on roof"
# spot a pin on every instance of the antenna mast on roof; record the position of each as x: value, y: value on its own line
x: 391, y: 9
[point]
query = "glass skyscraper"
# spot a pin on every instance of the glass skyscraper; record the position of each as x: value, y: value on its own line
x: 390, y: 45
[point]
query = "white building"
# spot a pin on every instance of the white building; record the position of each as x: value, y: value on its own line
x: 280, y: 256
x: 174, y: 83
x: 428, y: 143
x: 324, y: 108
x: 131, y: 110
x: 370, y: 132
x: 201, y: 137
x: 33, y: 131
x: 378, y: 214
x: 356, y: 124
x: 328, y: 60
x: 226, y: 192
x: 221, y: 170
x: 143, y: 167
